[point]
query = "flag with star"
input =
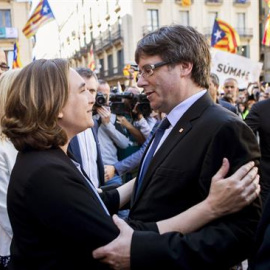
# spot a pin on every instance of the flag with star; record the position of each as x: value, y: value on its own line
x: 17, y: 63
x: 266, y: 34
x: 41, y: 15
x: 224, y: 37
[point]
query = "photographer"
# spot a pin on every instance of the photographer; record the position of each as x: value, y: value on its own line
x: 133, y: 120
x: 111, y: 139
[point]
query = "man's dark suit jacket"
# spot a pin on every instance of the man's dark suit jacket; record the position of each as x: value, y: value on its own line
x: 56, y: 218
x: 74, y: 148
x: 227, y: 105
x: 259, y: 121
x: 179, y: 176
x: 261, y: 259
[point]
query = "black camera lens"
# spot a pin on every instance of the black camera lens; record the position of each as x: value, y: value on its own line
x: 100, y: 99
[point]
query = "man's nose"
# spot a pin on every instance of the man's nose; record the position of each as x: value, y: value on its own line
x: 141, y: 81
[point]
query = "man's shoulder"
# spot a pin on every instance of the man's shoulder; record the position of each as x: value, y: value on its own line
x: 227, y: 105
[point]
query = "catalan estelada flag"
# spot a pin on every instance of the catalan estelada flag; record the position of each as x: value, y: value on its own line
x: 92, y: 64
x: 224, y: 37
x: 41, y: 15
x: 17, y: 63
x: 266, y: 35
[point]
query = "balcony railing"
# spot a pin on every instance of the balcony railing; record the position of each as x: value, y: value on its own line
x: 152, y: 1
x: 98, y: 44
x: 213, y: 2
x: 245, y: 32
x: 182, y: 3
x: 8, y: 33
x: 116, y: 35
x: 242, y: 32
x: 115, y: 72
x: 241, y: 3
x: 107, y: 39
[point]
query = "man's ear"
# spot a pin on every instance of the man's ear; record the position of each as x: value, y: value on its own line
x: 60, y: 115
x: 186, y: 68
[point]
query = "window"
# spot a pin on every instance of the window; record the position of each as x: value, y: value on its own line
x: 120, y: 61
x: 241, y: 20
x: 5, y: 20
x: 110, y: 64
x: 152, y: 19
x: 101, y: 66
x: 244, y: 51
x: 184, y: 18
x: 241, y: 1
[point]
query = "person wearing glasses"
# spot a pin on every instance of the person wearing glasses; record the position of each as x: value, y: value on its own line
x: 56, y: 214
x: 3, y: 62
x: 174, y: 69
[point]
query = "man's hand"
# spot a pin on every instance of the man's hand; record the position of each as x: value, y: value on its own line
x: 229, y: 195
x: 117, y: 253
x: 109, y: 172
x: 105, y: 114
x: 139, y: 115
x: 122, y: 120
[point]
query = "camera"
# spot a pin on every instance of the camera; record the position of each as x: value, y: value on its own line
x: 100, y: 99
x: 144, y: 105
x: 120, y: 108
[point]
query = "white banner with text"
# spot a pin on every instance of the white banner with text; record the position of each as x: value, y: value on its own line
x: 228, y: 65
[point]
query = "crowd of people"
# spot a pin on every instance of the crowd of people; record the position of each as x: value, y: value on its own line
x: 175, y: 175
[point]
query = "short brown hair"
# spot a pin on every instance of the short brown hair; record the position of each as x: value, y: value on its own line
x: 179, y: 44
x: 214, y: 79
x: 38, y: 94
x: 86, y: 73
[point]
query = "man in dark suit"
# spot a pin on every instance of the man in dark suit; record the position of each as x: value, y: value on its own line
x: 259, y: 122
x: 85, y: 145
x: 213, y: 91
x: 174, y: 67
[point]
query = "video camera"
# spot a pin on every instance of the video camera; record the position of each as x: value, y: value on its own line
x: 119, y: 107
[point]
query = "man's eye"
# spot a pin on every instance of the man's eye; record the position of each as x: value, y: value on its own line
x: 147, y: 69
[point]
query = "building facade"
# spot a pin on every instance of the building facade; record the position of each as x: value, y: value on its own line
x: 13, y: 16
x: 113, y: 27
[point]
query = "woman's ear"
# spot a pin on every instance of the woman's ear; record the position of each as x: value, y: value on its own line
x: 60, y: 115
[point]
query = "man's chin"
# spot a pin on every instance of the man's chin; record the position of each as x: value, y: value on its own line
x: 92, y: 123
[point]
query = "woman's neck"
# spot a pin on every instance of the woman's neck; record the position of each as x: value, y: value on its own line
x: 64, y: 147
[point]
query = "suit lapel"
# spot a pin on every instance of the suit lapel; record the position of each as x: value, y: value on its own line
x: 74, y: 148
x: 179, y: 131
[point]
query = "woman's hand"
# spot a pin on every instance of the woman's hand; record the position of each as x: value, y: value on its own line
x: 229, y: 195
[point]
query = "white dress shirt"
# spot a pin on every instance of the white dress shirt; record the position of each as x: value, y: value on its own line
x: 88, y: 149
